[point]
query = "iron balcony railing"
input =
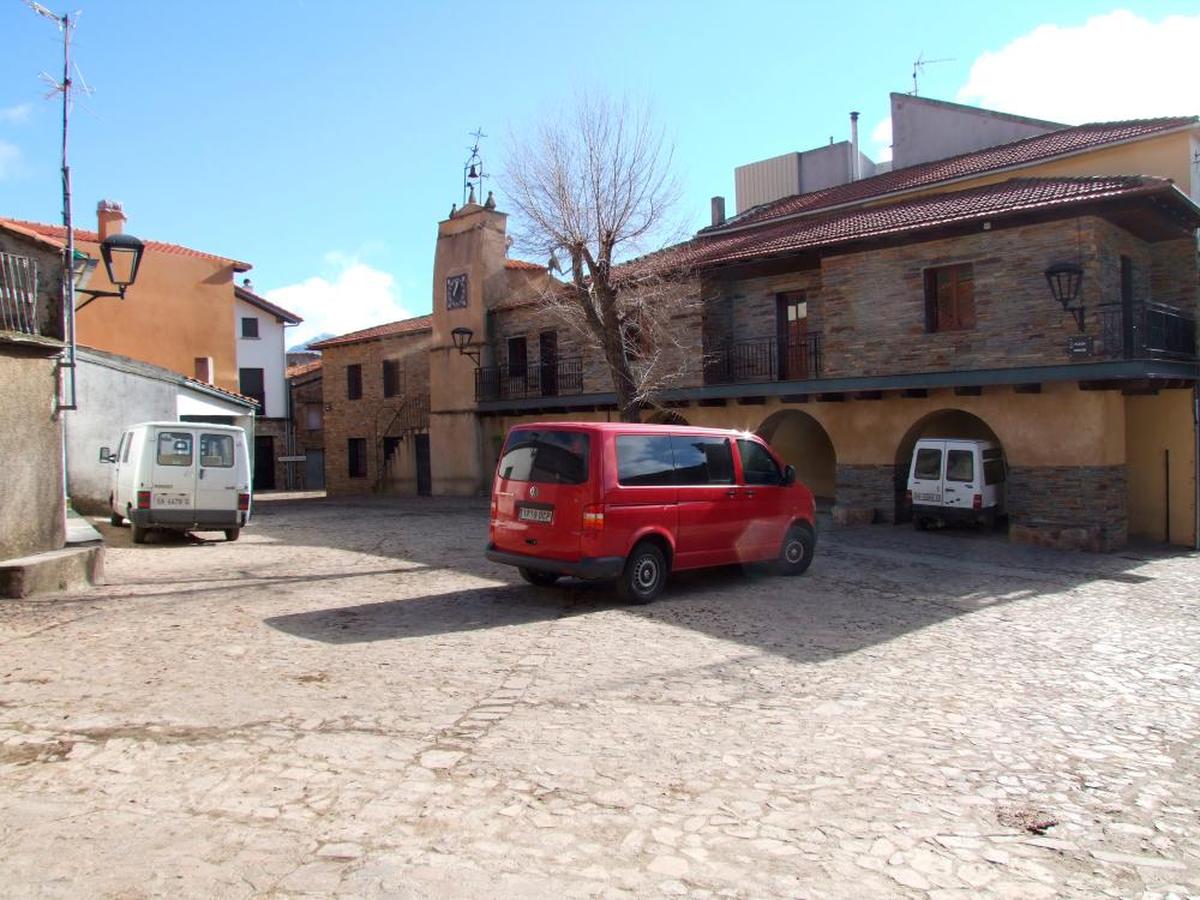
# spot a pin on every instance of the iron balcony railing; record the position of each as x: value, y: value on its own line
x: 513, y: 382
x: 18, y: 294
x: 763, y: 359
x: 1147, y: 330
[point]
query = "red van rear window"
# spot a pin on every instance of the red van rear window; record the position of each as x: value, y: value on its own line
x: 547, y: 457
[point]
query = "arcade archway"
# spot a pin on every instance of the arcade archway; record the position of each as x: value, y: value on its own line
x: 945, y: 423
x: 802, y: 442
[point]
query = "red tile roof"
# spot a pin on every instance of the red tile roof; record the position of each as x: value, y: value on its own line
x: 59, y: 232
x: 523, y: 266
x: 304, y: 369
x: 989, y: 202
x: 391, y: 329
x: 266, y: 305
x: 13, y: 228
x: 1063, y: 142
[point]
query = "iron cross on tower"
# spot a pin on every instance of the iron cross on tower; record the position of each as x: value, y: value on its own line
x: 473, y: 170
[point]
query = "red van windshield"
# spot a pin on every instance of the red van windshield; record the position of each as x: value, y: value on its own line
x: 546, y: 457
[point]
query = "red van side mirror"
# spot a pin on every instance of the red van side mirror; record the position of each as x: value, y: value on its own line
x: 789, y: 475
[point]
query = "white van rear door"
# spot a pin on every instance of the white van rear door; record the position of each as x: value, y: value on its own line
x: 925, y: 480
x: 216, y: 481
x: 173, y: 468
x: 962, y: 474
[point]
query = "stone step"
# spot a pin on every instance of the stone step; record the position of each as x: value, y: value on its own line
x: 52, y: 571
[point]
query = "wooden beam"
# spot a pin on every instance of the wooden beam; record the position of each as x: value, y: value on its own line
x: 968, y: 390
x: 794, y: 398
x: 916, y: 392
x: 1035, y: 388
x: 712, y: 401
x: 868, y: 395
x: 751, y: 401
x: 1099, y: 385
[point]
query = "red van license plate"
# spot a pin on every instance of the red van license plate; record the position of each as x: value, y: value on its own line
x: 534, y: 514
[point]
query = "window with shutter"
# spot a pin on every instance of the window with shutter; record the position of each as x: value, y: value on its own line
x: 950, y: 298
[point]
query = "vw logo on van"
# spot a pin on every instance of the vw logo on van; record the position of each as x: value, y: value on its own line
x: 533, y: 491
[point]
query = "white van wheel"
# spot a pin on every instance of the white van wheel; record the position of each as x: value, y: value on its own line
x: 139, y: 534
x: 231, y: 534
x: 115, y: 520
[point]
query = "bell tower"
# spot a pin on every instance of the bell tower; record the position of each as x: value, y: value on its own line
x: 468, y: 278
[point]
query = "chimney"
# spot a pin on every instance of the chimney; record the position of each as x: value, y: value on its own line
x: 718, y: 210
x: 854, y: 163
x: 110, y: 218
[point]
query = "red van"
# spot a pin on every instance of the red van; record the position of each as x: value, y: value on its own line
x: 609, y: 500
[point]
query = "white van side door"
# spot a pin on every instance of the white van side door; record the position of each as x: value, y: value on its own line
x: 173, y: 469
x: 217, y: 478
x: 925, y: 478
x: 963, y: 474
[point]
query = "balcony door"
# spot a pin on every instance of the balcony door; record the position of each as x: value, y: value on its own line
x: 791, y: 325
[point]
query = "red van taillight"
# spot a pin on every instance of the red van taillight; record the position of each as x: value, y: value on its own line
x: 143, y: 499
x: 908, y: 497
x: 593, y: 517
x: 977, y: 503
x: 243, y: 502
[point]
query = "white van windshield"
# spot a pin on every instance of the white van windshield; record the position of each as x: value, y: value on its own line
x: 929, y: 464
x: 174, y: 448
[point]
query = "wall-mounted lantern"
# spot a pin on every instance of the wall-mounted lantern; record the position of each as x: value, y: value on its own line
x: 1065, y: 279
x: 462, y: 342
x: 122, y: 255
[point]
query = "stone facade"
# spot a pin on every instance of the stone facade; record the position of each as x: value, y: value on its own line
x: 308, y: 418
x: 1069, y: 507
x: 865, y: 494
x: 374, y: 417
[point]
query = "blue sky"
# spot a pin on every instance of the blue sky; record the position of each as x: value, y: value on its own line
x: 323, y: 141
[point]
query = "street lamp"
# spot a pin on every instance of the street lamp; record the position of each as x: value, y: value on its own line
x: 462, y: 342
x: 122, y: 255
x: 1065, y: 279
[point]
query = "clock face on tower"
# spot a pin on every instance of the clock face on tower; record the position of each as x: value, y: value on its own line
x: 456, y: 291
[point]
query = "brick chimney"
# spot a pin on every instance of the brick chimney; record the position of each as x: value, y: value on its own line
x: 110, y: 218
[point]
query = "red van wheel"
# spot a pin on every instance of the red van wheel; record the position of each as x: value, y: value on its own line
x: 795, y: 556
x: 645, y: 574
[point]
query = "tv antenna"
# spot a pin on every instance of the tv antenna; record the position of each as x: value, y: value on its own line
x: 919, y: 65
x: 473, y: 170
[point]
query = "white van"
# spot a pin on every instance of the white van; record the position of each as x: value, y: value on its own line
x: 955, y: 481
x: 180, y: 476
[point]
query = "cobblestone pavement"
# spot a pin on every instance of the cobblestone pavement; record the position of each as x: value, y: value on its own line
x: 351, y: 700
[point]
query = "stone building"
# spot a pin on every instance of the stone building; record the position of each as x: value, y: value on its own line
x: 307, y: 406
x: 375, y: 416
x: 845, y: 323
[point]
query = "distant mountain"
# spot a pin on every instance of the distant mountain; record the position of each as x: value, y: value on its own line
x: 301, y: 348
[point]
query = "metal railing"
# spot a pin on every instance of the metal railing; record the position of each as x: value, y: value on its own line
x: 1147, y: 330
x: 18, y: 294
x: 763, y: 359
x: 509, y: 382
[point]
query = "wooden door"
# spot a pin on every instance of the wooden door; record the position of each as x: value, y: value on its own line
x: 791, y: 318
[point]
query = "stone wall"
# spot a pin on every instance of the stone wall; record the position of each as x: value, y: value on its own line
x: 307, y: 395
x: 373, y: 416
x: 864, y: 494
x: 31, y: 445
x: 1069, y: 507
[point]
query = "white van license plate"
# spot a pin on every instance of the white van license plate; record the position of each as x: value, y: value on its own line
x: 170, y: 500
x: 927, y: 498
x: 533, y: 514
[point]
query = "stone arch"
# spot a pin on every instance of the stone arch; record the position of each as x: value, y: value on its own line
x: 665, y: 417
x: 947, y: 423
x: 802, y: 441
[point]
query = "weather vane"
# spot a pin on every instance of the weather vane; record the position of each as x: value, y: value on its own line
x: 473, y: 170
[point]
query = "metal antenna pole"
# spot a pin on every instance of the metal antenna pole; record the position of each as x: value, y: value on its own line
x: 69, y: 262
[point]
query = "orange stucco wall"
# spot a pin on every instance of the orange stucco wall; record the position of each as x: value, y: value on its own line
x: 179, y: 308
x: 1159, y: 428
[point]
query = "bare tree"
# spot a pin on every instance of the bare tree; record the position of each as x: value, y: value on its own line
x: 595, y: 186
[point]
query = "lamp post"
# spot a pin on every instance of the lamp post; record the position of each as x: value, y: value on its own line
x: 122, y: 255
x: 462, y: 342
x: 1065, y: 279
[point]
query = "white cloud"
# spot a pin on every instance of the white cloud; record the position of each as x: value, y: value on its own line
x: 1113, y: 66
x: 355, y: 296
x: 15, y: 115
x: 10, y: 160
